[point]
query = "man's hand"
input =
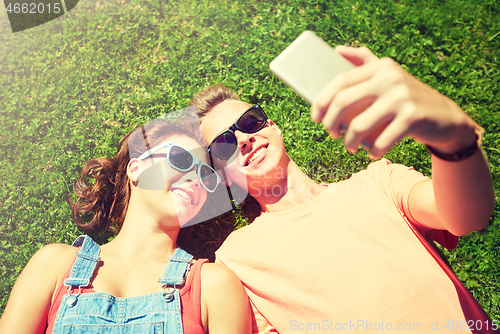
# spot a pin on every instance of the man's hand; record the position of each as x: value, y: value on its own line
x: 380, y: 103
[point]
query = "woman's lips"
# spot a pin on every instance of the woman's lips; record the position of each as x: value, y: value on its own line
x: 183, y: 194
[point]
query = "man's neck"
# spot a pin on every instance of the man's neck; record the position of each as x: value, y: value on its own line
x: 285, y: 191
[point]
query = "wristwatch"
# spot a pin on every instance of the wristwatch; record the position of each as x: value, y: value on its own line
x: 463, y: 153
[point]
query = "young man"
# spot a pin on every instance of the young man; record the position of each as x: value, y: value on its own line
x: 352, y: 256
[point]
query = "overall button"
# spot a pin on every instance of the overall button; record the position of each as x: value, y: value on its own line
x: 168, y: 296
x: 71, y: 301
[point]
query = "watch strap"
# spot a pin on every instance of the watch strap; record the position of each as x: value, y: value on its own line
x: 463, y: 153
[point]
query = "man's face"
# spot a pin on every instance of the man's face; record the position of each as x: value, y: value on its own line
x: 259, y: 156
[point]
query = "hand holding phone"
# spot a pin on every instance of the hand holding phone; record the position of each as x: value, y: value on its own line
x: 379, y: 101
x: 308, y: 65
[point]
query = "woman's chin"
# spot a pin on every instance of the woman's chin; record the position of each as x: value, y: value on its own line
x: 184, y: 214
x: 186, y: 209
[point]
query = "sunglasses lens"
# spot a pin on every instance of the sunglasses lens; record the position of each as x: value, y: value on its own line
x: 208, y: 177
x: 180, y: 158
x: 224, y: 146
x: 251, y: 121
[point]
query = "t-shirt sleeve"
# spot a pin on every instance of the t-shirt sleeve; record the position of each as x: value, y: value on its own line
x: 401, y: 180
x: 260, y: 325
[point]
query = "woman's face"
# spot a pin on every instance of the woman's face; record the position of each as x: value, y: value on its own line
x: 174, y: 195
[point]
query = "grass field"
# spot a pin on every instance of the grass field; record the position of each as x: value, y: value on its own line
x: 71, y: 88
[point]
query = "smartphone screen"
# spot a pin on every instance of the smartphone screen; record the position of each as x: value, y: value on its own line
x: 308, y: 65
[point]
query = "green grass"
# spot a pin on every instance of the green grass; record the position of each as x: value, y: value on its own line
x: 72, y: 87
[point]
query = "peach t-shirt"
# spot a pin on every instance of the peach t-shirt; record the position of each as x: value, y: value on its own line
x: 348, y: 261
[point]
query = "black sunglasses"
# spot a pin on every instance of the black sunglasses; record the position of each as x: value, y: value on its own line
x: 250, y: 121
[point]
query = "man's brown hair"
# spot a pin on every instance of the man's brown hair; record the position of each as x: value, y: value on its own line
x: 209, y: 97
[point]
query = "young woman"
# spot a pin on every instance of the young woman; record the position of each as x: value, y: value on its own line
x: 140, y: 282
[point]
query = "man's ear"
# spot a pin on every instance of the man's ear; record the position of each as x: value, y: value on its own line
x: 133, y: 170
x: 275, y: 127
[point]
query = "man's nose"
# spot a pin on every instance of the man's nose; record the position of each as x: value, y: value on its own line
x: 244, y: 139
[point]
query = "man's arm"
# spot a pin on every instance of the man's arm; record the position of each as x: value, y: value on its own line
x: 460, y: 196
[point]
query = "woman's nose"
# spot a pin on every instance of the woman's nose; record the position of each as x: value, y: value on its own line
x: 192, y: 177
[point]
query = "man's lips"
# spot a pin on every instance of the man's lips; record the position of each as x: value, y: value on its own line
x: 255, y: 154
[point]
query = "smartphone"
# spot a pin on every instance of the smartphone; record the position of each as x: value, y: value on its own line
x: 308, y: 65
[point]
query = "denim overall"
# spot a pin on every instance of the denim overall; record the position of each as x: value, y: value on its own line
x: 100, y: 312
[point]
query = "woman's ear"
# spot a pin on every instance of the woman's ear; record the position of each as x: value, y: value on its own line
x: 275, y: 127
x: 133, y: 170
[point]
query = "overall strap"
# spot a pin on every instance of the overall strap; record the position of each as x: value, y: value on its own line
x: 85, y: 263
x: 177, y: 268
